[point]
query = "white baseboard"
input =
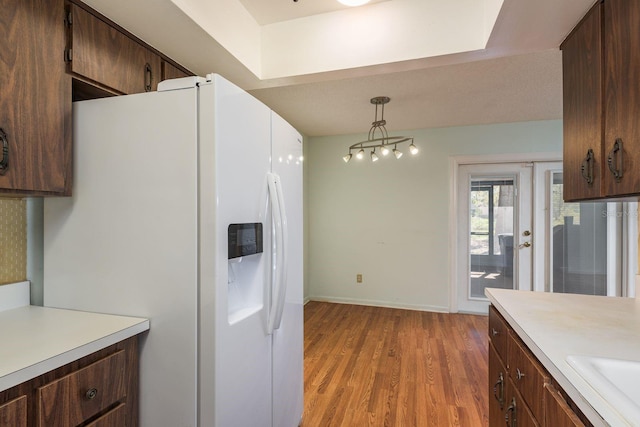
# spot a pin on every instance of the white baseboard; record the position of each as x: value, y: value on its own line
x: 375, y: 303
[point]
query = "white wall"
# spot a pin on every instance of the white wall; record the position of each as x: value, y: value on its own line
x: 390, y: 220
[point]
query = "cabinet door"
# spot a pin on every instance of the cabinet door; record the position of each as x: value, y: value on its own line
x: 106, y: 56
x: 171, y: 72
x: 557, y: 411
x: 497, y: 388
x: 517, y: 414
x: 35, y: 98
x: 622, y: 91
x: 14, y: 413
x: 582, y: 118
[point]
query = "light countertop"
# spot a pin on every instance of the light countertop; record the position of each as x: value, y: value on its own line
x: 35, y: 340
x: 555, y: 326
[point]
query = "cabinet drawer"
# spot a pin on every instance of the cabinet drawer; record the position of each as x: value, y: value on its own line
x: 528, y: 376
x: 498, y: 333
x: 113, y: 418
x: 84, y: 393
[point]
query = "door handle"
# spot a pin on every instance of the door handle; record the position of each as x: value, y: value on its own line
x: 587, y: 167
x: 614, y: 160
x: 148, y: 77
x: 524, y: 245
x: 4, y: 163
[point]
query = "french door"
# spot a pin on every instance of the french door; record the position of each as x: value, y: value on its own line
x: 494, y: 227
x: 584, y: 248
x: 514, y: 231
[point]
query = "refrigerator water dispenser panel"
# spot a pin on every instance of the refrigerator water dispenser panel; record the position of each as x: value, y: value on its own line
x: 245, y: 239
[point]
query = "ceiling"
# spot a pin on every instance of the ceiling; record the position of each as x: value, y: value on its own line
x: 517, y: 76
x: 268, y: 12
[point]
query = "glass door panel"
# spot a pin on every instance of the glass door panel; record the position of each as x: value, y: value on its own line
x: 579, y: 237
x: 491, y: 234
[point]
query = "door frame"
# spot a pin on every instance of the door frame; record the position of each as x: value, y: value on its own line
x: 454, y: 163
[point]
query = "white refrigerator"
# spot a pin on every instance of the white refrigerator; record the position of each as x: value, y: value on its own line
x: 187, y: 210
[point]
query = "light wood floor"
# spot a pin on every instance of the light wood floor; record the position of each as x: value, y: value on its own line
x: 371, y: 366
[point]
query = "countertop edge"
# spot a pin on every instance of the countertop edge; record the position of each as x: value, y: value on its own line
x: 589, y: 411
x: 101, y: 341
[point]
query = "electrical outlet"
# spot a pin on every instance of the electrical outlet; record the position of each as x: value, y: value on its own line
x: 358, y: 278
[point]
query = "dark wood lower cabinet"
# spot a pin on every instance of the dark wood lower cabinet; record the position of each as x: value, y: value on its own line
x: 517, y: 413
x: 99, y: 390
x: 521, y: 391
x: 558, y: 413
x: 14, y: 412
x: 498, y: 384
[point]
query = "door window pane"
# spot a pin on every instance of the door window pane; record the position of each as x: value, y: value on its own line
x: 491, y: 219
x: 578, y: 244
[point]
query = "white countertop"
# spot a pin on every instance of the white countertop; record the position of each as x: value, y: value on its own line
x: 35, y: 340
x: 555, y: 326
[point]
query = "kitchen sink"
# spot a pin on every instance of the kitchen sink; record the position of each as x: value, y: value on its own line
x: 617, y: 381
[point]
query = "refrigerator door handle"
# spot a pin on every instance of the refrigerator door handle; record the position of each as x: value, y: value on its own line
x: 279, y: 270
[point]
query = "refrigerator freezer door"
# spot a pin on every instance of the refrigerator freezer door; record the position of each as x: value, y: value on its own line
x: 125, y: 243
x: 288, y: 339
x: 235, y: 386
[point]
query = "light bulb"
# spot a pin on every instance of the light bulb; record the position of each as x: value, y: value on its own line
x: 374, y: 156
x: 384, y: 150
x: 353, y: 3
x: 345, y: 158
x: 413, y: 149
x: 360, y: 154
x: 397, y: 153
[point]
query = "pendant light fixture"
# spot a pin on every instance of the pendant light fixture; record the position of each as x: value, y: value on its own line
x: 379, y: 138
x: 353, y: 3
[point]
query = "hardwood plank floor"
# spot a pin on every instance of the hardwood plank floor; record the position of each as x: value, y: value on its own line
x: 372, y: 366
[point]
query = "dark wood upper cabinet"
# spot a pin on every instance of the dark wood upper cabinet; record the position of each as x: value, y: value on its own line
x: 582, y: 64
x: 601, y: 75
x: 622, y: 96
x: 35, y: 99
x: 170, y: 71
x: 51, y: 53
x: 107, y: 57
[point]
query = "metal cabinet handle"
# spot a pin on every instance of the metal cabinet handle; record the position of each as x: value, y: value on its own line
x: 587, y: 167
x: 499, y: 385
x: 4, y: 163
x: 519, y: 374
x: 510, y: 415
x: 148, y: 77
x: 91, y: 393
x: 494, y: 332
x: 614, y: 160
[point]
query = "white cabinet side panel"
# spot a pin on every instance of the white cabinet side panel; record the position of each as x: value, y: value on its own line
x: 125, y: 243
